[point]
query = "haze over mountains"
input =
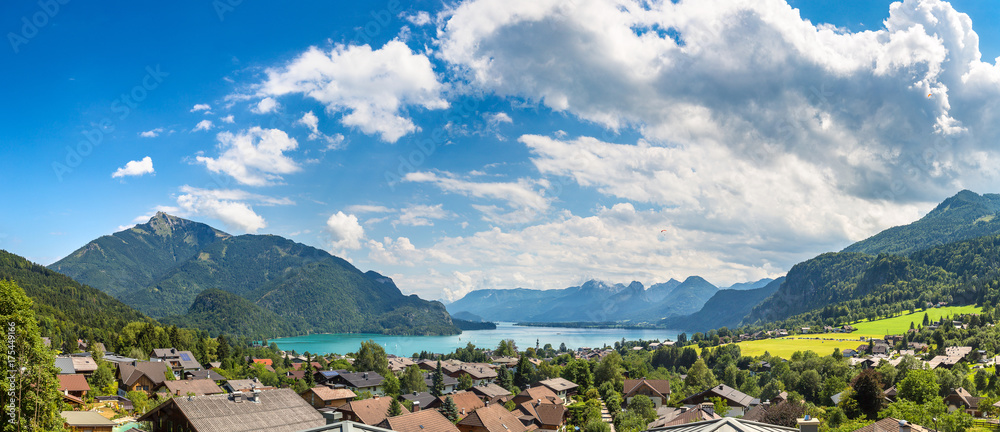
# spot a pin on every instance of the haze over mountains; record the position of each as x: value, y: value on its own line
x: 188, y: 273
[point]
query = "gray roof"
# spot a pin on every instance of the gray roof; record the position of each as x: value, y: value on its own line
x: 279, y: 410
x: 425, y: 398
x: 559, y: 384
x: 725, y: 424
x: 347, y: 426
x: 118, y: 359
x: 429, y: 380
x: 184, y: 359
x: 65, y: 365
x: 358, y: 379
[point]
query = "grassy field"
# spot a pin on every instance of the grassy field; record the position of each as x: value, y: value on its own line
x: 824, y: 344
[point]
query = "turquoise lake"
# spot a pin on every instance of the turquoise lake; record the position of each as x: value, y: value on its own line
x: 524, y: 337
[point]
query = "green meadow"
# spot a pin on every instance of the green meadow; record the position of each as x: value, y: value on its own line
x: 825, y: 343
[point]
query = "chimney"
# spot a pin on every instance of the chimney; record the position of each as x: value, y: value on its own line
x: 366, y: 375
x: 416, y: 406
x: 708, y: 408
x: 904, y: 426
x: 808, y: 424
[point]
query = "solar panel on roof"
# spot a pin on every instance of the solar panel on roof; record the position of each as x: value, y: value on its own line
x: 185, y: 357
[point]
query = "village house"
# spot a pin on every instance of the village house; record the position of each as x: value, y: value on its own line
x: 657, y: 391
x: 419, y: 421
x: 76, y: 364
x: 739, y: 402
x: 179, y: 361
x: 421, y: 399
x: 465, y: 401
x: 117, y: 402
x: 479, y: 372
x: 368, y: 411
x: 961, y: 399
x: 493, y: 393
x: 450, y: 384
x: 544, y: 416
x: 562, y: 387
x: 493, y: 418
x: 73, y: 385
x: 397, y: 364
x: 278, y: 410
x: 142, y: 376
x: 326, y: 397
x: 86, y: 421
x: 194, y: 387
x: 535, y: 394
x: 204, y: 374
x: 357, y: 381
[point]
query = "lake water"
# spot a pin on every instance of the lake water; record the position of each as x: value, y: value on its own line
x: 524, y: 337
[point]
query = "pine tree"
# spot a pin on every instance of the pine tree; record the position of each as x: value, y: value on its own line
x: 36, y: 390
x: 438, y: 381
x: 449, y: 409
x: 395, y: 408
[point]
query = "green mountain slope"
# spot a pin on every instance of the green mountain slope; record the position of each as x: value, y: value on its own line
x: 218, y: 312
x: 63, y: 305
x: 134, y: 258
x: 964, y: 216
x: 725, y: 309
x: 309, y: 289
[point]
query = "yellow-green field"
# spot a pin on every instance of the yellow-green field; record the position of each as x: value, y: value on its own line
x: 824, y: 344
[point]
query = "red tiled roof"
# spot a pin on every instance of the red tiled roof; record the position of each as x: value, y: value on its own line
x: 73, y: 383
x: 420, y: 421
x: 494, y: 418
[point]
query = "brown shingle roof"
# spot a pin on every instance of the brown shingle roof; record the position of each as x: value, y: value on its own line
x: 465, y: 401
x: 736, y: 397
x: 490, y: 391
x: 536, y: 393
x: 73, y: 383
x: 494, y: 418
x: 370, y: 411
x: 547, y: 414
x: 420, y: 421
x: 155, y: 371
x: 279, y: 410
x: 660, y: 386
x: 559, y: 384
x: 328, y: 394
x: 199, y: 387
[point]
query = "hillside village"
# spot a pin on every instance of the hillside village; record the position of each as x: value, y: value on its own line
x: 633, y: 386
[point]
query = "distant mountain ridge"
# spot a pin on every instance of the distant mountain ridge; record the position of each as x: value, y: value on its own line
x: 593, y: 301
x: 163, y: 266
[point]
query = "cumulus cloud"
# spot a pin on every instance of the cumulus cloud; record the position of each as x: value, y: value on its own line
x: 201, y: 107
x: 203, y: 125
x: 420, y: 18
x: 265, y: 106
x: 253, y: 157
x: 753, y: 76
x: 372, y: 88
x: 151, y: 133
x: 345, y: 231
x: 233, y: 207
x: 310, y: 121
x: 228, y: 119
x: 135, y: 168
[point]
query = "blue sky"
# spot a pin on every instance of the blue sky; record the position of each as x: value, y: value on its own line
x: 499, y: 144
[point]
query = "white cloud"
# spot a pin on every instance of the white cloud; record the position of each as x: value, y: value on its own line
x: 201, y: 107
x: 755, y: 77
x: 310, y: 121
x: 135, y: 168
x: 371, y: 87
x: 422, y: 215
x: 228, y: 119
x: 230, y: 206
x: 345, y: 231
x: 203, y: 125
x: 253, y: 157
x: 151, y: 133
x: 421, y: 18
x: 366, y: 208
x: 521, y: 197
x: 265, y: 106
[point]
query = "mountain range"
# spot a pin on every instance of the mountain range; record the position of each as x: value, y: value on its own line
x: 593, y: 301
x: 188, y: 273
